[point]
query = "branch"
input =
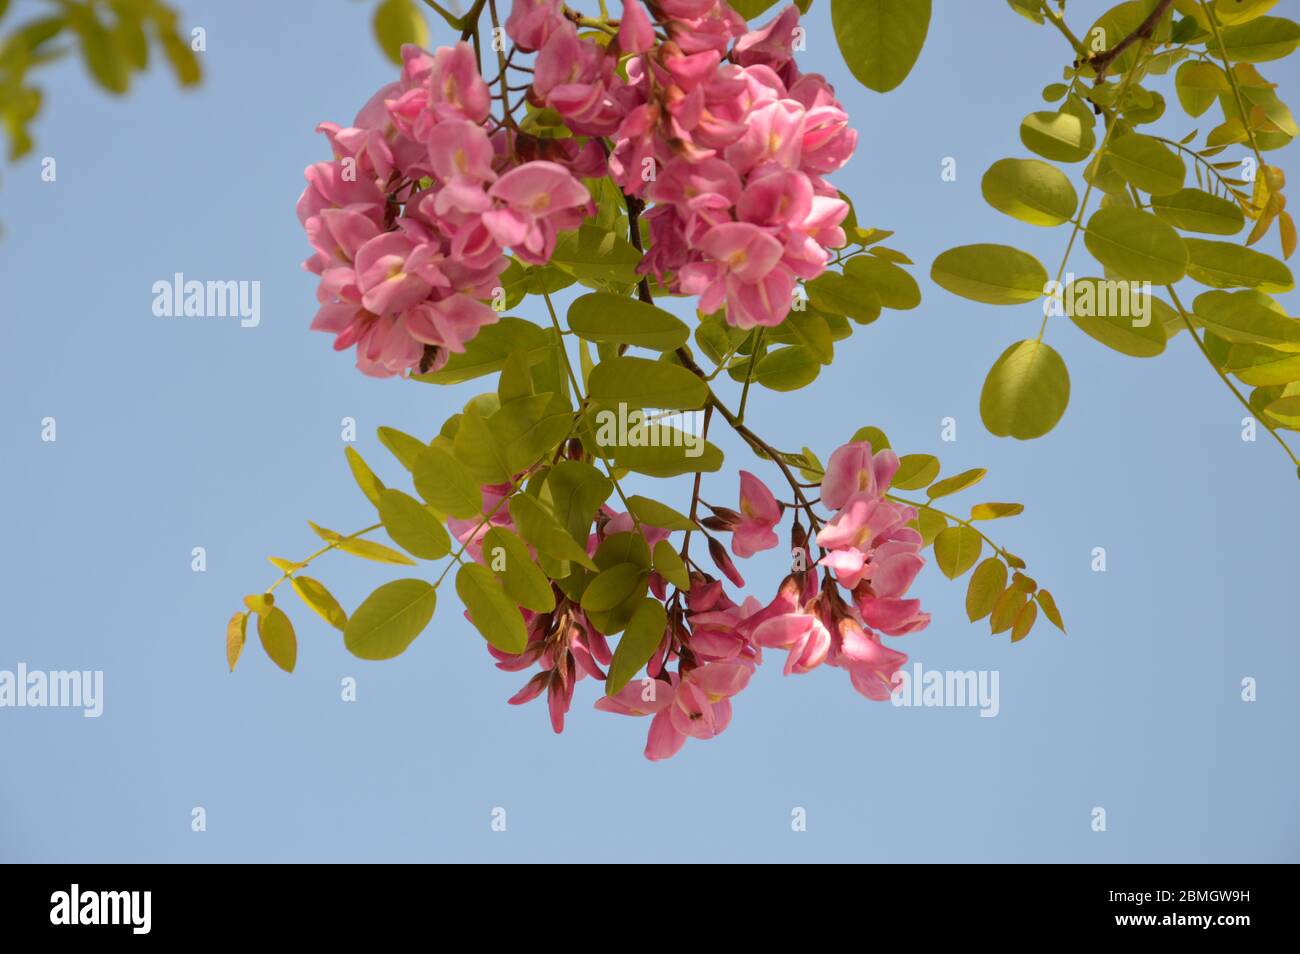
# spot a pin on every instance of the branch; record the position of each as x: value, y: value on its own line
x: 1102, y: 61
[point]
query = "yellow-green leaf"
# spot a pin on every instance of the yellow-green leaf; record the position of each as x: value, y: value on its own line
x: 1026, y: 392
x: 956, y: 550
x: 389, y: 619
x: 986, y: 585
x: 956, y: 483
x: 1030, y: 190
x: 413, y: 526
x: 1048, y: 603
x: 994, y: 274
x: 1136, y: 245
x: 278, y: 639
x: 322, y: 601
x: 644, y: 633
x: 398, y: 22
x: 236, y: 633
x: 880, y: 39
x: 995, y: 511
x: 507, y: 555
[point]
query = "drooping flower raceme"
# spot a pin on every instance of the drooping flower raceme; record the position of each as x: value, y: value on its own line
x: 721, y: 146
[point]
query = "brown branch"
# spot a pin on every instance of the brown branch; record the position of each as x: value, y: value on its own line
x: 1101, y: 62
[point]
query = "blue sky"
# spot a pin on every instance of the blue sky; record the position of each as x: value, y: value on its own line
x: 183, y: 433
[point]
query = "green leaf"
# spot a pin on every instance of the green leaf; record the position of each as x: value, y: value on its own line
x: 1030, y: 190
x: 1048, y: 603
x: 873, y: 436
x: 377, y: 552
x: 404, y: 447
x: 1260, y: 40
x: 787, y: 369
x: 321, y: 600
x: 398, y: 22
x: 1119, y: 315
x: 895, y: 287
x: 370, y: 485
x: 1225, y: 265
x: 986, y: 585
x: 1240, y: 317
x: 413, y: 526
x: 668, y: 452
x: 446, y: 485
x: 539, y: 527
x: 488, y: 351
x: 1136, y: 245
x: 660, y: 515
x: 625, y: 547
x: 994, y: 274
x: 642, y: 383
x: 278, y: 639
x: 529, y: 428
x: 956, y: 550
x: 1195, y: 211
x: 956, y: 483
x: 809, y: 329
x: 637, y: 645
x: 106, y: 65
x: 915, y: 471
x: 880, y: 39
x: 576, y: 490
x: 1148, y: 164
x: 995, y: 511
x: 752, y: 8
x: 1026, y: 392
x: 389, y: 619
x: 671, y: 567
x: 479, y: 451
x: 493, y: 613
x: 930, y: 523
x: 613, y: 586
x: 594, y: 254
x: 1059, y: 136
x: 618, y: 320
x: 844, y: 295
x: 507, y: 555
x: 1198, y: 84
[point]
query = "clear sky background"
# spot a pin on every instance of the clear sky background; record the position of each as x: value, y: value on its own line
x: 181, y: 433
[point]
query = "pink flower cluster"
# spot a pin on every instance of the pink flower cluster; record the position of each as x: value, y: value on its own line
x: 411, y: 220
x: 835, y: 617
x: 731, y: 143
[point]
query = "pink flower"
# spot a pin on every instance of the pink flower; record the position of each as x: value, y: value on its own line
x: 456, y: 89
x: 635, y: 32
x: 760, y: 512
x: 539, y: 199
x: 695, y: 705
x: 852, y: 469
x: 803, y: 634
x: 871, y: 665
x: 532, y: 21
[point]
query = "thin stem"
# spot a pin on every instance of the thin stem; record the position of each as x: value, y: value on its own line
x: 1003, y: 551
x: 333, y: 545
x: 469, y: 22
x: 1232, y: 81
x: 442, y: 11
x: 577, y: 390
x: 749, y: 373
x: 695, y: 492
x: 1111, y: 123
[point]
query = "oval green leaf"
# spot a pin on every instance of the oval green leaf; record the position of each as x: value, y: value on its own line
x: 1026, y: 392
